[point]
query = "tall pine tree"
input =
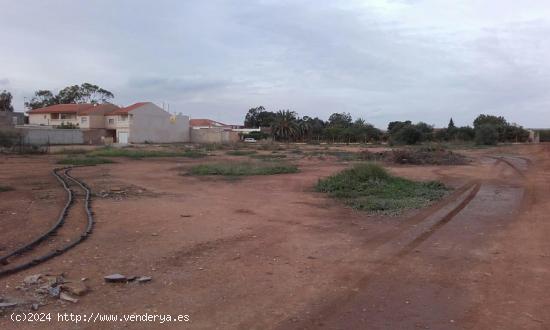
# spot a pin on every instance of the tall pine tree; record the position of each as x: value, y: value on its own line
x: 451, y: 124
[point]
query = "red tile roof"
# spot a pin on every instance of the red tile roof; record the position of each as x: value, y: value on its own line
x: 62, y: 108
x: 206, y: 122
x: 122, y: 111
x: 100, y: 108
x: 80, y: 109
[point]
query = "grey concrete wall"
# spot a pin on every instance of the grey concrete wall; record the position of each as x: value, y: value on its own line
x: 152, y: 124
x: 44, y: 136
x: 94, y: 136
x: 214, y: 135
x: 10, y: 119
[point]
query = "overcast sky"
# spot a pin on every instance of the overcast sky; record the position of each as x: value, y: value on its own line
x: 382, y: 60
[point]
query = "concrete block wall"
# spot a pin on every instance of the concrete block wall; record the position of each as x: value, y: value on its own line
x: 214, y: 135
x: 45, y: 136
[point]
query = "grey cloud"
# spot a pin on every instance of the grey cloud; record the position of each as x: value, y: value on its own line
x: 381, y: 60
x: 180, y: 85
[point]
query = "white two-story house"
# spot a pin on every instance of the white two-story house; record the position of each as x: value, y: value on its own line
x: 78, y: 115
x: 138, y: 123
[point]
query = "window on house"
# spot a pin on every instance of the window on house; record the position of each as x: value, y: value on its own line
x: 111, y: 121
x: 83, y: 120
x: 67, y: 116
x: 123, y: 117
x: 54, y: 116
x: 46, y: 117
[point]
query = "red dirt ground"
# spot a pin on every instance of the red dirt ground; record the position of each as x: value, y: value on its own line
x: 268, y: 252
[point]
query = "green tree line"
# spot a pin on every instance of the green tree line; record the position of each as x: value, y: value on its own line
x: 288, y: 126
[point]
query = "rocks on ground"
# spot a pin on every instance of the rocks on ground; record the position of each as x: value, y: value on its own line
x: 39, y: 289
x: 119, y: 278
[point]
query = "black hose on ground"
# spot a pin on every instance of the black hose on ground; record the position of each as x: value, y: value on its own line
x: 55, y: 227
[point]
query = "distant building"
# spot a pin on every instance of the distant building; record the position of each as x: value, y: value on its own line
x: 147, y: 122
x: 207, y: 123
x: 138, y: 123
x: 78, y: 115
x: 534, y: 136
x: 10, y: 119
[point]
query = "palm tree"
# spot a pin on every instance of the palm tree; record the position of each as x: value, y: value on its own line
x: 284, y: 125
x: 304, y: 128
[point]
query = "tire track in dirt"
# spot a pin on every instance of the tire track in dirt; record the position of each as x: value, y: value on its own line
x: 513, y: 166
x: 385, y: 262
x: 448, y: 217
x: 421, y: 216
x: 529, y: 196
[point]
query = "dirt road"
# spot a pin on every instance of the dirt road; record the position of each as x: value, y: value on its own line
x: 268, y: 252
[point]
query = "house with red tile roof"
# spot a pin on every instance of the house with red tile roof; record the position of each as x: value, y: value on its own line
x: 80, y: 115
x: 137, y: 123
x: 146, y: 122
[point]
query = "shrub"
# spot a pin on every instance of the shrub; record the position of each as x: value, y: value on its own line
x: 67, y: 126
x: 506, y: 132
x: 5, y: 188
x: 9, y: 138
x: 486, y: 134
x: 369, y: 187
x: 407, y: 135
x: 464, y: 133
x: 426, y: 155
x: 241, y: 152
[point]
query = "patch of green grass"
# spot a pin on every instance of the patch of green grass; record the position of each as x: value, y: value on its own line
x: 241, y: 152
x: 340, y: 155
x: 271, y: 146
x: 6, y: 188
x: 137, y: 154
x: 89, y: 161
x: 465, y: 146
x: 71, y: 152
x: 213, y: 147
x: 242, y: 169
x: 344, y: 155
x: 371, y: 188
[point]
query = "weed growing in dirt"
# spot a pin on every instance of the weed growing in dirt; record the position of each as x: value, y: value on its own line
x: 271, y: 146
x: 5, y: 188
x: 213, y: 147
x: 71, y: 152
x: 371, y: 188
x: 84, y: 161
x: 269, y: 156
x: 425, y: 155
x: 137, y: 154
x: 242, y: 169
x: 241, y: 152
x: 340, y: 155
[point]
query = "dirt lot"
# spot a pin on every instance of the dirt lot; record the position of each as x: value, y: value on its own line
x: 268, y: 252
